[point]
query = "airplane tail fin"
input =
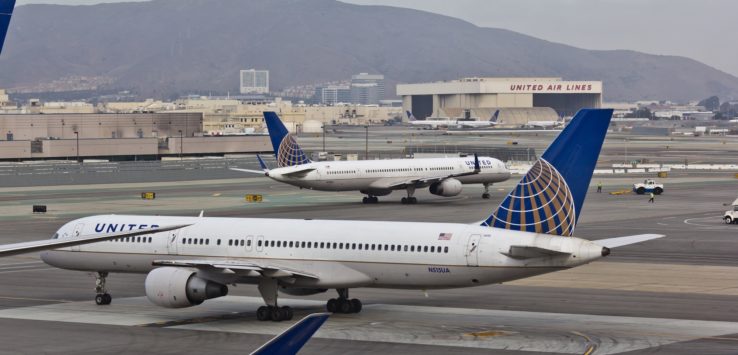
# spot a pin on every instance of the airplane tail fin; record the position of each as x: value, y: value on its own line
x: 6, y: 10
x: 549, y: 198
x: 293, y: 339
x: 410, y: 116
x: 285, y: 146
x: 495, y: 116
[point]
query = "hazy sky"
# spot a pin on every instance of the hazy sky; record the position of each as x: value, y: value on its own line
x: 704, y: 30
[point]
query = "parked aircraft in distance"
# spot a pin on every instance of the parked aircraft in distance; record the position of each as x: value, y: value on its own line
x: 442, y: 176
x: 460, y: 123
x: 189, y: 260
x: 6, y: 10
x: 544, y: 124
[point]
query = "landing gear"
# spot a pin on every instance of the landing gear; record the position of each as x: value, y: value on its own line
x: 485, y: 195
x: 268, y: 290
x: 370, y: 199
x: 409, y: 200
x: 102, y: 297
x: 343, y: 304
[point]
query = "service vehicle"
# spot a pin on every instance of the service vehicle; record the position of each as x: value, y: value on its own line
x: 731, y: 215
x: 648, y: 185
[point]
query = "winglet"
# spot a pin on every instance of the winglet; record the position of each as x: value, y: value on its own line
x: 262, y: 164
x: 293, y: 339
x: 202, y: 213
x: 6, y: 11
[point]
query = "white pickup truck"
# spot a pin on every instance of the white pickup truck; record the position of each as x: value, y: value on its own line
x: 648, y: 185
x: 731, y: 215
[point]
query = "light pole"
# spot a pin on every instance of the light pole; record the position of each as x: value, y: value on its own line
x: 324, y: 136
x: 180, y: 144
x: 76, y: 133
x: 366, y: 143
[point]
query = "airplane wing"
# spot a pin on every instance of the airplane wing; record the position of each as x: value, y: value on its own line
x: 261, y: 172
x: 246, y: 268
x: 29, y: 247
x: 299, y: 173
x: 394, y: 184
x: 294, y: 338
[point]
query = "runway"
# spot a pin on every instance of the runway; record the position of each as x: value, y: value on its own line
x: 673, y: 295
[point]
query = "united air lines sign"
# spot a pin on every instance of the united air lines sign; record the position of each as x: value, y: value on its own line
x: 555, y: 87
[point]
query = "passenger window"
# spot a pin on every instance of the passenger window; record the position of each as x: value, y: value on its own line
x: 334, y: 245
x: 290, y: 244
x: 218, y: 242
x: 340, y: 245
x: 425, y: 249
x: 303, y: 244
x: 433, y: 249
x: 279, y: 243
x: 359, y: 246
x: 241, y: 242
x: 259, y: 243
x: 405, y: 248
x: 149, y: 239
x: 386, y: 247
x: 321, y: 245
x: 207, y: 241
x: 393, y: 247
x: 310, y: 245
x: 230, y: 242
x: 439, y: 249
x: 412, y: 248
x: 353, y: 246
x: 445, y: 249
x: 248, y: 243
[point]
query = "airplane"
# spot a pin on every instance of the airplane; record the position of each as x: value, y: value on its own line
x: 544, y: 124
x: 434, y: 124
x: 189, y: 260
x: 6, y: 10
x: 443, y: 176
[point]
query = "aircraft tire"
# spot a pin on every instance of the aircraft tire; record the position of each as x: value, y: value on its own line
x: 344, y: 306
x: 99, y: 299
x: 374, y: 199
x: 263, y: 313
x: 332, y: 305
x: 485, y: 195
x: 288, y: 312
x: 278, y: 314
x: 403, y: 200
x: 356, y: 305
x: 365, y: 200
x: 107, y: 298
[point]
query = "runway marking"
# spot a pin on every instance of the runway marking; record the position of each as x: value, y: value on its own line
x: 34, y: 299
x: 718, y: 219
x: 435, y: 326
x: 28, y: 270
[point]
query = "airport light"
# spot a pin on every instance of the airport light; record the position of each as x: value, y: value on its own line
x: 180, y: 144
x: 366, y: 143
x: 76, y: 133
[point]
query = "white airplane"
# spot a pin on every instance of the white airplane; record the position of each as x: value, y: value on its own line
x: 434, y: 124
x: 544, y: 124
x: 191, y: 259
x: 443, y: 176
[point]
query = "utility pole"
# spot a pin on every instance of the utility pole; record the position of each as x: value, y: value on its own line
x: 181, y: 140
x: 76, y: 133
x: 366, y: 143
x: 324, y: 136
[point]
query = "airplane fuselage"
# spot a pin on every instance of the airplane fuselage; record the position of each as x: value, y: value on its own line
x: 340, y: 254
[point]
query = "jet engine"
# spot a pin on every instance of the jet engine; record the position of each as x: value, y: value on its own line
x: 298, y: 291
x: 173, y: 287
x: 446, y: 188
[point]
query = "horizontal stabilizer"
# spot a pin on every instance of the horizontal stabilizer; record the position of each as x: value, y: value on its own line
x: 260, y: 172
x: 529, y: 252
x: 299, y: 172
x: 631, y: 239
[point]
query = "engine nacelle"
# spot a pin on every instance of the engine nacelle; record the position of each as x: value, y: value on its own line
x: 173, y: 287
x: 446, y: 188
x: 298, y: 291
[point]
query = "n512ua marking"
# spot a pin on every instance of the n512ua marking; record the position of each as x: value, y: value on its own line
x: 191, y: 259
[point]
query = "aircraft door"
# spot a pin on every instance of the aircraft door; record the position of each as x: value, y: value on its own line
x: 77, y: 233
x: 472, y: 250
x: 260, y: 243
x: 173, y: 241
x: 249, y: 243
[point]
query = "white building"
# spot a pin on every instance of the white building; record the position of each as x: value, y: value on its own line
x: 254, y: 81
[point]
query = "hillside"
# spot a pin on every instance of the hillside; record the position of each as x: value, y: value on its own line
x: 168, y: 47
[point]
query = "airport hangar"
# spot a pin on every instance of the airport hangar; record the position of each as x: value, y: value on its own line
x: 518, y: 99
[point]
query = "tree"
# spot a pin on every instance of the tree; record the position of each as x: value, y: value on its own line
x: 711, y: 103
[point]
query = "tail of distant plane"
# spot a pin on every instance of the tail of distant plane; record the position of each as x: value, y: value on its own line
x: 494, y: 117
x: 285, y: 146
x: 294, y: 338
x: 410, y: 116
x: 550, y: 196
x: 6, y: 10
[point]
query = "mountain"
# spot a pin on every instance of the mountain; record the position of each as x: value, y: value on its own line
x: 168, y: 47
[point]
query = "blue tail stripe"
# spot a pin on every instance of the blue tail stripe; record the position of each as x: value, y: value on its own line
x: 6, y: 10
x: 558, y: 182
x: 294, y: 338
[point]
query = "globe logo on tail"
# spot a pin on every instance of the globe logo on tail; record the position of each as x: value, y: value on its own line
x: 540, y: 203
x: 289, y: 153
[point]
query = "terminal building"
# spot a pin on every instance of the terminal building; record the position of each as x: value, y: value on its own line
x: 518, y: 99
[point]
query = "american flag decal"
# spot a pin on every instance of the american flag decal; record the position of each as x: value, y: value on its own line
x: 444, y: 236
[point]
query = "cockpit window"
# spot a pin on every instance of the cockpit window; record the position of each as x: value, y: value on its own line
x: 56, y: 236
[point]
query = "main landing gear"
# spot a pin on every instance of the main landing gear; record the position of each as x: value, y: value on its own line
x: 343, y: 304
x: 268, y: 290
x: 485, y: 195
x: 409, y: 200
x: 370, y: 199
x: 103, y: 297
